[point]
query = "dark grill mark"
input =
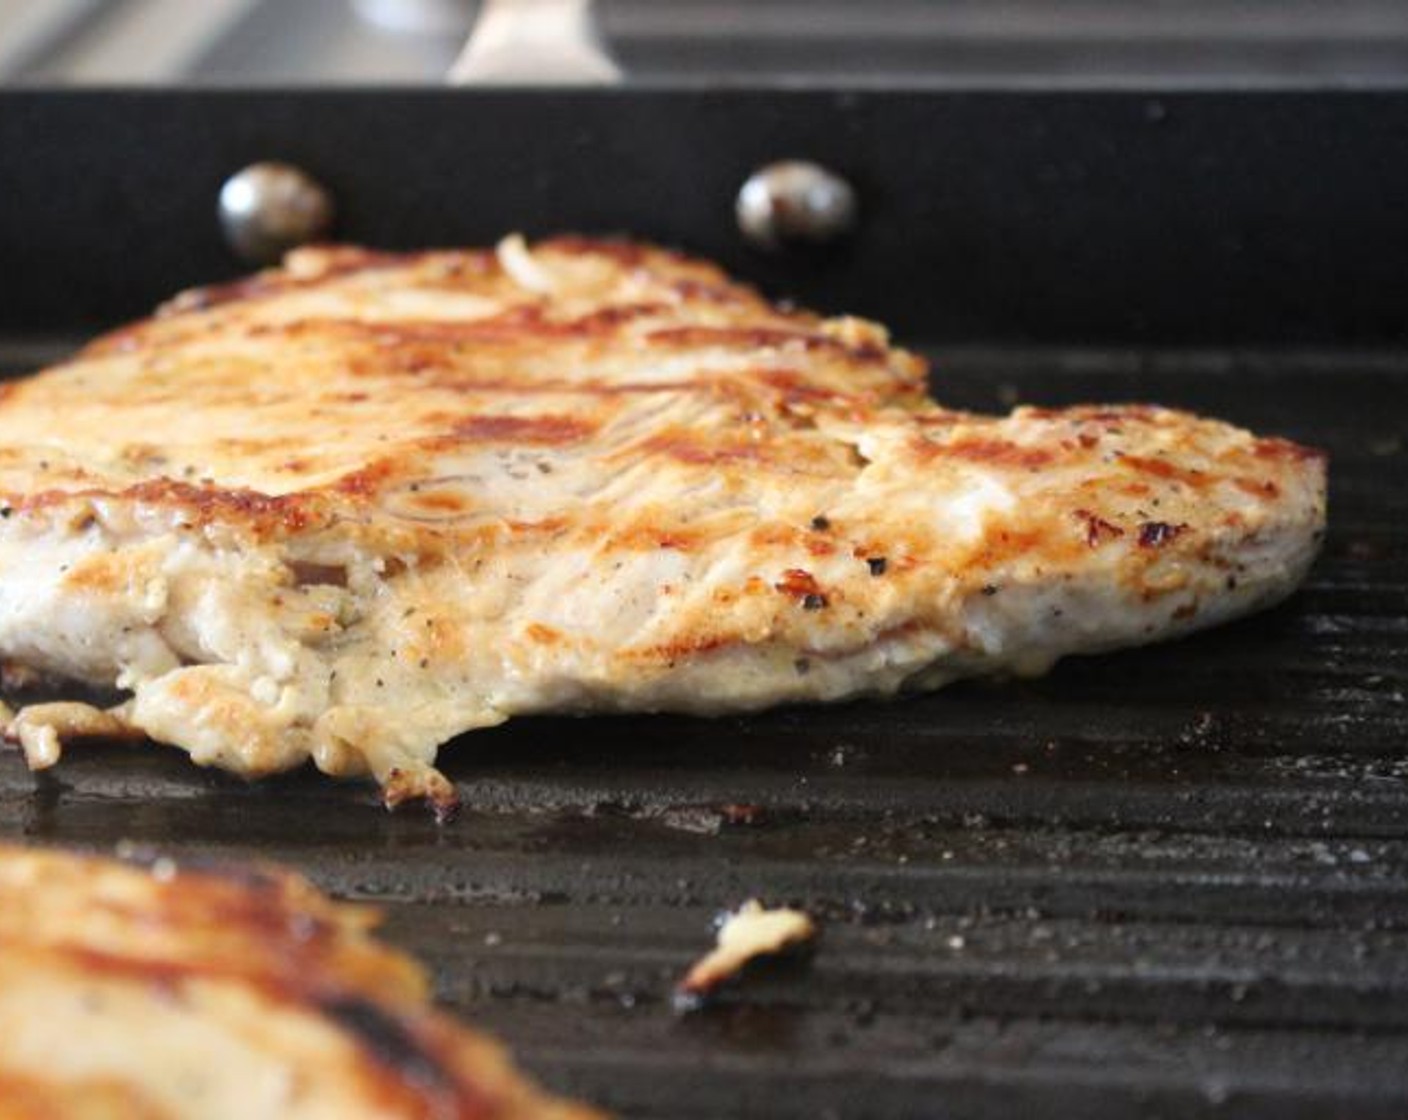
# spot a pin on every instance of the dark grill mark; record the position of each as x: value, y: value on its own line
x: 307, y: 574
x: 390, y: 1043
x: 522, y: 429
x: 993, y: 452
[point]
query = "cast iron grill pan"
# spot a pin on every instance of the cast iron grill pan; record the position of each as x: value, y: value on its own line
x: 1170, y: 882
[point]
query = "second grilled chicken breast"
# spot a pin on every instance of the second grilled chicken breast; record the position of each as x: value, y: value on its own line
x: 161, y: 992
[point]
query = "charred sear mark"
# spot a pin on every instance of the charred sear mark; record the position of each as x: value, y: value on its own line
x: 307, y: 574
x: 390, y: 1044
x: 522, y: 429
x: 802, y: 586
x: 992, y: 452
x: 1156, y: 534
x: 1264, y: 488
x: 202, y: 503
x: 1097, y: 529
x: 1162, y: 468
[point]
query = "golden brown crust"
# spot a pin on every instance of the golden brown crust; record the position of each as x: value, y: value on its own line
x: 35, y: 1098
x: 140, y: 958
x: 205, y: 366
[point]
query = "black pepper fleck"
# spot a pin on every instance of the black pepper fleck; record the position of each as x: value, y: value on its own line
x: 813, y: 602
x: 877, y: 565
x: 820, y: 523
x: 990, y: 589
x: 1156, y: 534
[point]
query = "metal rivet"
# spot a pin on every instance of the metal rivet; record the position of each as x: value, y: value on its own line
x: 266, y: 209
x: 795, y: 201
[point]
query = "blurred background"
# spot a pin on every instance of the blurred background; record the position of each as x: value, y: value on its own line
x: 965, y: 42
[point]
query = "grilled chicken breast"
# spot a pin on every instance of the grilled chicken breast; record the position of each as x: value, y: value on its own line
x: 350, y: 508
x: 158, y: 992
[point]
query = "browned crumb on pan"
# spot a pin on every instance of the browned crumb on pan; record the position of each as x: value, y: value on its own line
x: 751, y: 931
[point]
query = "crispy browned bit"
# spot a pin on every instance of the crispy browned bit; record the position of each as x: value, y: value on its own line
x: 751, y: 931
x: 742, y: 814
x: 40, y: 729
x: 1097, y: 529
x: 802, y: 586
x: 422, y: 784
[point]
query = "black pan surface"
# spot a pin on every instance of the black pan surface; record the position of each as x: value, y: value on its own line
x: 1169, y: 882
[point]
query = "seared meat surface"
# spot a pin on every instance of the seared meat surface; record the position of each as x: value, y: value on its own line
x: 350, y: 508
x: 158, y: 992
